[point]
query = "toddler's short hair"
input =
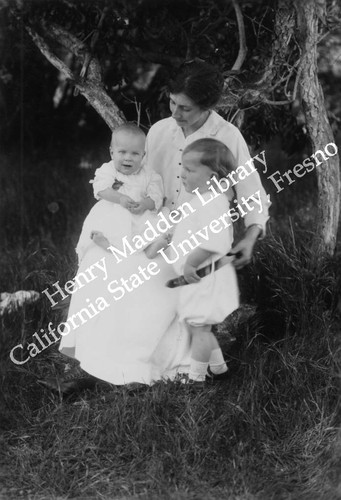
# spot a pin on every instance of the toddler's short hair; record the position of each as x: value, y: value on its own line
x: 215, y: 155
x: 129, y: 127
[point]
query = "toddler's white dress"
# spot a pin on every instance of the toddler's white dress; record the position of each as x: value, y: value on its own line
x: 216, y: 295
x: 113, y: 220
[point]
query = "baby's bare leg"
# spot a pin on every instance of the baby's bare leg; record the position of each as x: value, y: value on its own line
x: 100, y: 240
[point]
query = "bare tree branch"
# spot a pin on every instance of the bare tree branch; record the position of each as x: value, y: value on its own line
x: 72, y: 44
x: 242, y: 39
x: 90, y: 87
x: 50, y: 56
x: 94, y: 38
x: 277, y: 69
x: 293, y: 95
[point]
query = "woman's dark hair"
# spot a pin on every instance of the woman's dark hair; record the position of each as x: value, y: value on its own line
x: 200, y: 81
x: 215, y: 155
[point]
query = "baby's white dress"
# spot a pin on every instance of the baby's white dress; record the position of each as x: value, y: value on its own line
x: 134, y: 339
x: 216, y: 295
x: 113, y: 220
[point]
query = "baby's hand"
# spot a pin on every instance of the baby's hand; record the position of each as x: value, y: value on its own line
x: 138, y: 209
x: 127, y: 202
x: 190, y: 274
x: 143, y: 205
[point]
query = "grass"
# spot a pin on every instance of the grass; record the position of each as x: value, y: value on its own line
x: 269, y: 432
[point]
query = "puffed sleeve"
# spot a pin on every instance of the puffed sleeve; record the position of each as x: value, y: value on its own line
x: 104, y: 178
x: 155, y: 189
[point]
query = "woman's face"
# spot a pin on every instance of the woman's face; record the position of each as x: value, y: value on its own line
x: 188, y: 115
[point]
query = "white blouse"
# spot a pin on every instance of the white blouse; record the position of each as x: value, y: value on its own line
x: 164, y: 147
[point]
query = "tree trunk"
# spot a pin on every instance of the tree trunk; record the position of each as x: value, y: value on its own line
x: 91, y: 87
x: 102, y: 103
x: 320, y: 132
x: 308, y: 13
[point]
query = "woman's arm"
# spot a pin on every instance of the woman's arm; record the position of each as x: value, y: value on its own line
x: 141, y: 206
x: 250, y: 194
x: 244, y: 249
x: 154, y: 193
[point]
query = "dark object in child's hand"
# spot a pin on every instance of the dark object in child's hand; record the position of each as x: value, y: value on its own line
x: 202, y: 272
x: 180, y: 281
x: 238, y: 254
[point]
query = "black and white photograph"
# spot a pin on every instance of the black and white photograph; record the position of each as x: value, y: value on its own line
x: 170, y: 249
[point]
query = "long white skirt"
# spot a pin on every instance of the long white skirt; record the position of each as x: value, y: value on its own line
x: 137, y: 338
x: 115, y: 222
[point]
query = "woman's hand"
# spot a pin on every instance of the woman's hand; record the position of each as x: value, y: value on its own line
x: 190, y: 274
x: 127, y: 202
x: 145, y: 204
x: 244, y: 249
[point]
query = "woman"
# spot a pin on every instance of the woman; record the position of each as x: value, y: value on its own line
x: 193, y: 94
x: 138, y: 338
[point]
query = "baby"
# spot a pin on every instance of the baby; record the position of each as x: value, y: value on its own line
x: 128, y: 193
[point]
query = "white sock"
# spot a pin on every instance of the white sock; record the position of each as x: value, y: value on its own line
x: 217, y: 362
x: 198, y: 370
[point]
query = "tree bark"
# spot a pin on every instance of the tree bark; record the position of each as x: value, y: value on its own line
x: 306, y: 21
x: 275, y: 69
x: 320, y: 132
x: 91, y: 87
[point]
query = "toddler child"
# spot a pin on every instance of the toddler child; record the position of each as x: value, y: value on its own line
x: 205, y: 301
x: 128, y: 193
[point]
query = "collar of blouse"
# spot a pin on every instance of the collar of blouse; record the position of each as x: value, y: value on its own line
x: 209, y: 128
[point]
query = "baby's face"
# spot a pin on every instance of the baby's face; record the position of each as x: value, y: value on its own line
x: 127, y: 151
